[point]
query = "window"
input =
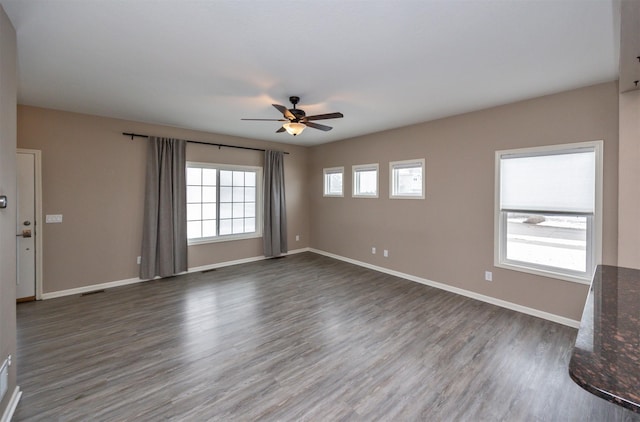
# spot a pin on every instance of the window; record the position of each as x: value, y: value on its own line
x: 406, y: 179
x: 548, y: 210
x: 223, y: 202
x: 333, y: 181
x: 365, y: 181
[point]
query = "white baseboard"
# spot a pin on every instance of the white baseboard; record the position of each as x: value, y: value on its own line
x: 468, y: 293
x: 90, y: 288
x: 12, y: 405
x: 239, y: 261
x: 118, y: 283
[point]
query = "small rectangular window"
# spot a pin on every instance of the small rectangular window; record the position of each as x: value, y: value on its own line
x: 333, y: 181
x: 223, y: 202
x: 365, y: 181
x: 548, y: 202
x: 406, y: 179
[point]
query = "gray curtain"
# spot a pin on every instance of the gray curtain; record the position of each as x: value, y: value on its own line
x: 164, y: 234
x: 275, y: 210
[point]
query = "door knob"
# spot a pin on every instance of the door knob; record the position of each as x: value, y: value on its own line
x: 25, y: 233
x: 27, y: 223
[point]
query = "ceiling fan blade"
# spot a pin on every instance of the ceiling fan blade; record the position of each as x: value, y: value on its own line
x: 268, y: 120
x: 282, y: 129
x: 318, y: 126
x: 285, y: 111
x: 325, y: 116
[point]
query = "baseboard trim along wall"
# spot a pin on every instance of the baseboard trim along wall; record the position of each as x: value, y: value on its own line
x: 468, y: 293
x: 12, y: 405
x: 118, y: 283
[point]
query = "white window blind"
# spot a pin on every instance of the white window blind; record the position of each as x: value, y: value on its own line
x: 557, y: 182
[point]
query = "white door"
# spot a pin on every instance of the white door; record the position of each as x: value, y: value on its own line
x: 26, y: 226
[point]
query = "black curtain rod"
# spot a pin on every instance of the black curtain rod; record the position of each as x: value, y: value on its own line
x: 136, y: 135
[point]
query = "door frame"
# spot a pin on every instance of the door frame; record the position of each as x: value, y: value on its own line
x: 39, y: 223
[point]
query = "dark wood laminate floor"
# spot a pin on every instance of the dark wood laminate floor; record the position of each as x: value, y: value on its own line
x: 300, y: 338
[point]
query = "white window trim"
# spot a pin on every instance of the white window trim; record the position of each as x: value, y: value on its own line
x: 332, y: 170
x: 392, y: 165
x: 259, y: 204
x: 360, y: 167
x: 596, y: 234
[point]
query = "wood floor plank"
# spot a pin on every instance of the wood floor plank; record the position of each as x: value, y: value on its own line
x: 301, y: 338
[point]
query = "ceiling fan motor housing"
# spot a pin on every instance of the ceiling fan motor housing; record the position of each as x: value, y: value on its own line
x: 298, y: 113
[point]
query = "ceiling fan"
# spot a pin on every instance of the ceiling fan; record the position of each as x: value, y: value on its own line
x: 297, y: 120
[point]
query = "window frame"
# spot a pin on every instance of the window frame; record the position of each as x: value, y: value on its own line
x: 392, y: 178
x: 594, y: 221
x: 365, y: 167
x: 325, y: 173
x: 259, y: 203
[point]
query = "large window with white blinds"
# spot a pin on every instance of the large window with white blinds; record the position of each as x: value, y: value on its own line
x: 548, y: 210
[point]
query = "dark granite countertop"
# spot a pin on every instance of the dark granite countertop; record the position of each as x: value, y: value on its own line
x: 606, y: 358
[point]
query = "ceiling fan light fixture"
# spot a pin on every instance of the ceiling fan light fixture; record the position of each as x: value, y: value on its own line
x: 294, y: 128
x: 297, y: 120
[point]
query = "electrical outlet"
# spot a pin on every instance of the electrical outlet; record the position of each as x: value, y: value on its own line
x: 386, y: 253
x: 373, y: 250
x: 139, y: 260
x: 488, y: 276
x: 297, y: 238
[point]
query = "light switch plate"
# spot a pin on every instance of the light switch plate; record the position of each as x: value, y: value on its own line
x: 54, y: 218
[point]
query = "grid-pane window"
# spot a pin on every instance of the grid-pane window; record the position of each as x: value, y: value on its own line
x: 365, y: 181
x: 333, y: 181
x: 222, y: 202
x: 407, y: 179
x: 548, y: 217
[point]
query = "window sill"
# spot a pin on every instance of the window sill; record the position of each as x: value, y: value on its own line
x: 218, y: 239
x: 406, y: 197
x: 545, y: 273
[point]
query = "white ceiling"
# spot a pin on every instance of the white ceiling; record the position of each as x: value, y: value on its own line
x: 383, y: 63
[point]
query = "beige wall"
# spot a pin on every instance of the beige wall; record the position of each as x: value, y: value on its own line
x: 8, y: 87
x: 629, y: 174
x: 448, y: 237
x: 629, y: 122
x: 94, y: 177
